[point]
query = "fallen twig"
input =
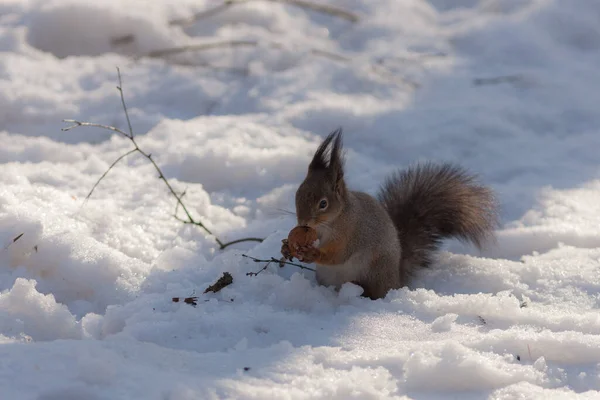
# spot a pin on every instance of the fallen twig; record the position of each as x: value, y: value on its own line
x: 497, y: 80
x: 281, y: 262
x: 376, y: 67
x: 222, y: 282
x: 130, y: 135
x: 188, y: 300
x: 200, y: 47
x: 313, y: 6
x: 14, y: 240
x: 187, y: 21
x: 260, y: 270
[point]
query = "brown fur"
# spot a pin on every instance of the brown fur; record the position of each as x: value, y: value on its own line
x: 378, y: 243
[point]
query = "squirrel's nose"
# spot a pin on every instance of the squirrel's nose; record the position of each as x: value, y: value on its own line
x: 305, y: 222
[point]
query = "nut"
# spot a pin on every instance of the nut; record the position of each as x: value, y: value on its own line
x: 301, y: 236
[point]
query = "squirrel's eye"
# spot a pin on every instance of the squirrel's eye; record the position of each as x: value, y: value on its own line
x: 323, y: 204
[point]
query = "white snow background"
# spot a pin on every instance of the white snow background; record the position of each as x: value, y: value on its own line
x: 508, y: 88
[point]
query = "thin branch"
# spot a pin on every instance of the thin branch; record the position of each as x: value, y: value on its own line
x: 200, y: 47
x: 184, y: 22
x: 497, y: 80
x: 281, y: 262
x: 14, y: 240
x: 177, y: 204
x: 377, y: 67
x: 260, y: 270
x: 322, y: 8
x: 330, y: 55
x: 238, y: 43
x: 201, y: 15
x: 106, y: 173
x: 120, y: 89
x: 77, y: 124
x: 224, y: 245
x: 131, y: 137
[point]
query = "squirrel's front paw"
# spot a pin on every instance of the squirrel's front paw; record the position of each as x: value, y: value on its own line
x: 308, y: 254
x: 285, y: 250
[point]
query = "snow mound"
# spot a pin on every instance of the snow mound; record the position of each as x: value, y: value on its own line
x: 506, y: 88
x: 101, y: 28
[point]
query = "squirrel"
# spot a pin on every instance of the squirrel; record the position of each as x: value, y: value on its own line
x: 379, y: 242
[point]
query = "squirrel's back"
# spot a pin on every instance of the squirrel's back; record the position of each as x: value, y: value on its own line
x: 430, y: 202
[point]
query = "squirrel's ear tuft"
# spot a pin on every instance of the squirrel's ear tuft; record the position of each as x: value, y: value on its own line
x: 336, y: 159
x: 328, y: 155
x: 330, y: 159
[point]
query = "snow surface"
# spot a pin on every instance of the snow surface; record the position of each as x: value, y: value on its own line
x: 508, y: 88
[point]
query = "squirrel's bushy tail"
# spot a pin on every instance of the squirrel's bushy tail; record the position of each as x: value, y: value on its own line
x: 431, y: 202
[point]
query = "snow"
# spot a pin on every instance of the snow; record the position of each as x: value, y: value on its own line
x: 506, y: 88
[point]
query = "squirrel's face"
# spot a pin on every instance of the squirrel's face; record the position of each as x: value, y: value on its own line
x: 320, y: 198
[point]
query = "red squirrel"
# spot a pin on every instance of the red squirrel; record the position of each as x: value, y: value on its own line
x: 378, y: 242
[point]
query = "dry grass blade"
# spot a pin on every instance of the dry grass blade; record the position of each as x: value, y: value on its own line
x: 378, y: 68
x: 313, y: 6
x: 202, y: 15
x: 322, y: 8
x: 184, y: 22
x: 200, y: 47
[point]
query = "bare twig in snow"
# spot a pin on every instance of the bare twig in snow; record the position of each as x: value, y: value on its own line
x: 281, y: 262
x: 260, y: 270
x: 313, y: 6
x: 497, y: 80
x: 107, y: 171
x: 130, y: 135
x: 222, y: 282
x: 200, y: 47
x: 376, y: 67
x: 14, y: 240
x: 322, y: 8
x: 202, y: 15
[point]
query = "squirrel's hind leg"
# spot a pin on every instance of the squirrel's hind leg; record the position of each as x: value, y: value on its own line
x: 383, y: 276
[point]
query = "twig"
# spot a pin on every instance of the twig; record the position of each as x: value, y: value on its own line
x: 377, y: 67
x: 322, y: 8
x: 273, y: 259
x: 238, y: 43
x: 260, y: 270
x: 14, y: 240
x: 251, y: 239
x: 131, y: 137
x: 77, y: 124
x: 184, y: 22
x: 202, y: 15
x: 225, y: 280
x: 200, y: 47
x: 120, y: 89
x: 497, y: 80
x: 106, y: 172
